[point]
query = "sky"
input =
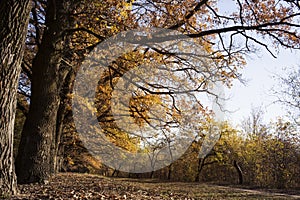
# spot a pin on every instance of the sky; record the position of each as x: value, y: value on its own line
x: 257, y: 92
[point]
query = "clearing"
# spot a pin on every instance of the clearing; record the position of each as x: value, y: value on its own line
x: 88, y: 186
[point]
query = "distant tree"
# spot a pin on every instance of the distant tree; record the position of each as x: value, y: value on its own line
x: 270, y: 161
x: 288, y: 92
x: 14, y: 15
x: 223, y: 162
x: 253, y: 125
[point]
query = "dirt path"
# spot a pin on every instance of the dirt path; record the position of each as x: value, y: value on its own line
x: 263, y: 193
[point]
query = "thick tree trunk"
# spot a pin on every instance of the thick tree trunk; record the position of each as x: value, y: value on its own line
x: 14, y: 15
x: 34, y: 160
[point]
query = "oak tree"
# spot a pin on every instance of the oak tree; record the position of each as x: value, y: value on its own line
x: 14, y: 19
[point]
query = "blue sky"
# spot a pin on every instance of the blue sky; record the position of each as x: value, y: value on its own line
x: 257, y: 91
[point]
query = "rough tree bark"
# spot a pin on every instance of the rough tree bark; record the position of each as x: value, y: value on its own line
x: 57, y: 146
x: 14, y: 16
x: 34, y: 160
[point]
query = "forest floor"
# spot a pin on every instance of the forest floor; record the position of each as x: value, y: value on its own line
x: 87, y: 186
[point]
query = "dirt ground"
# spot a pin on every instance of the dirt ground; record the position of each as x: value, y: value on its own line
x: 87, y: 186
